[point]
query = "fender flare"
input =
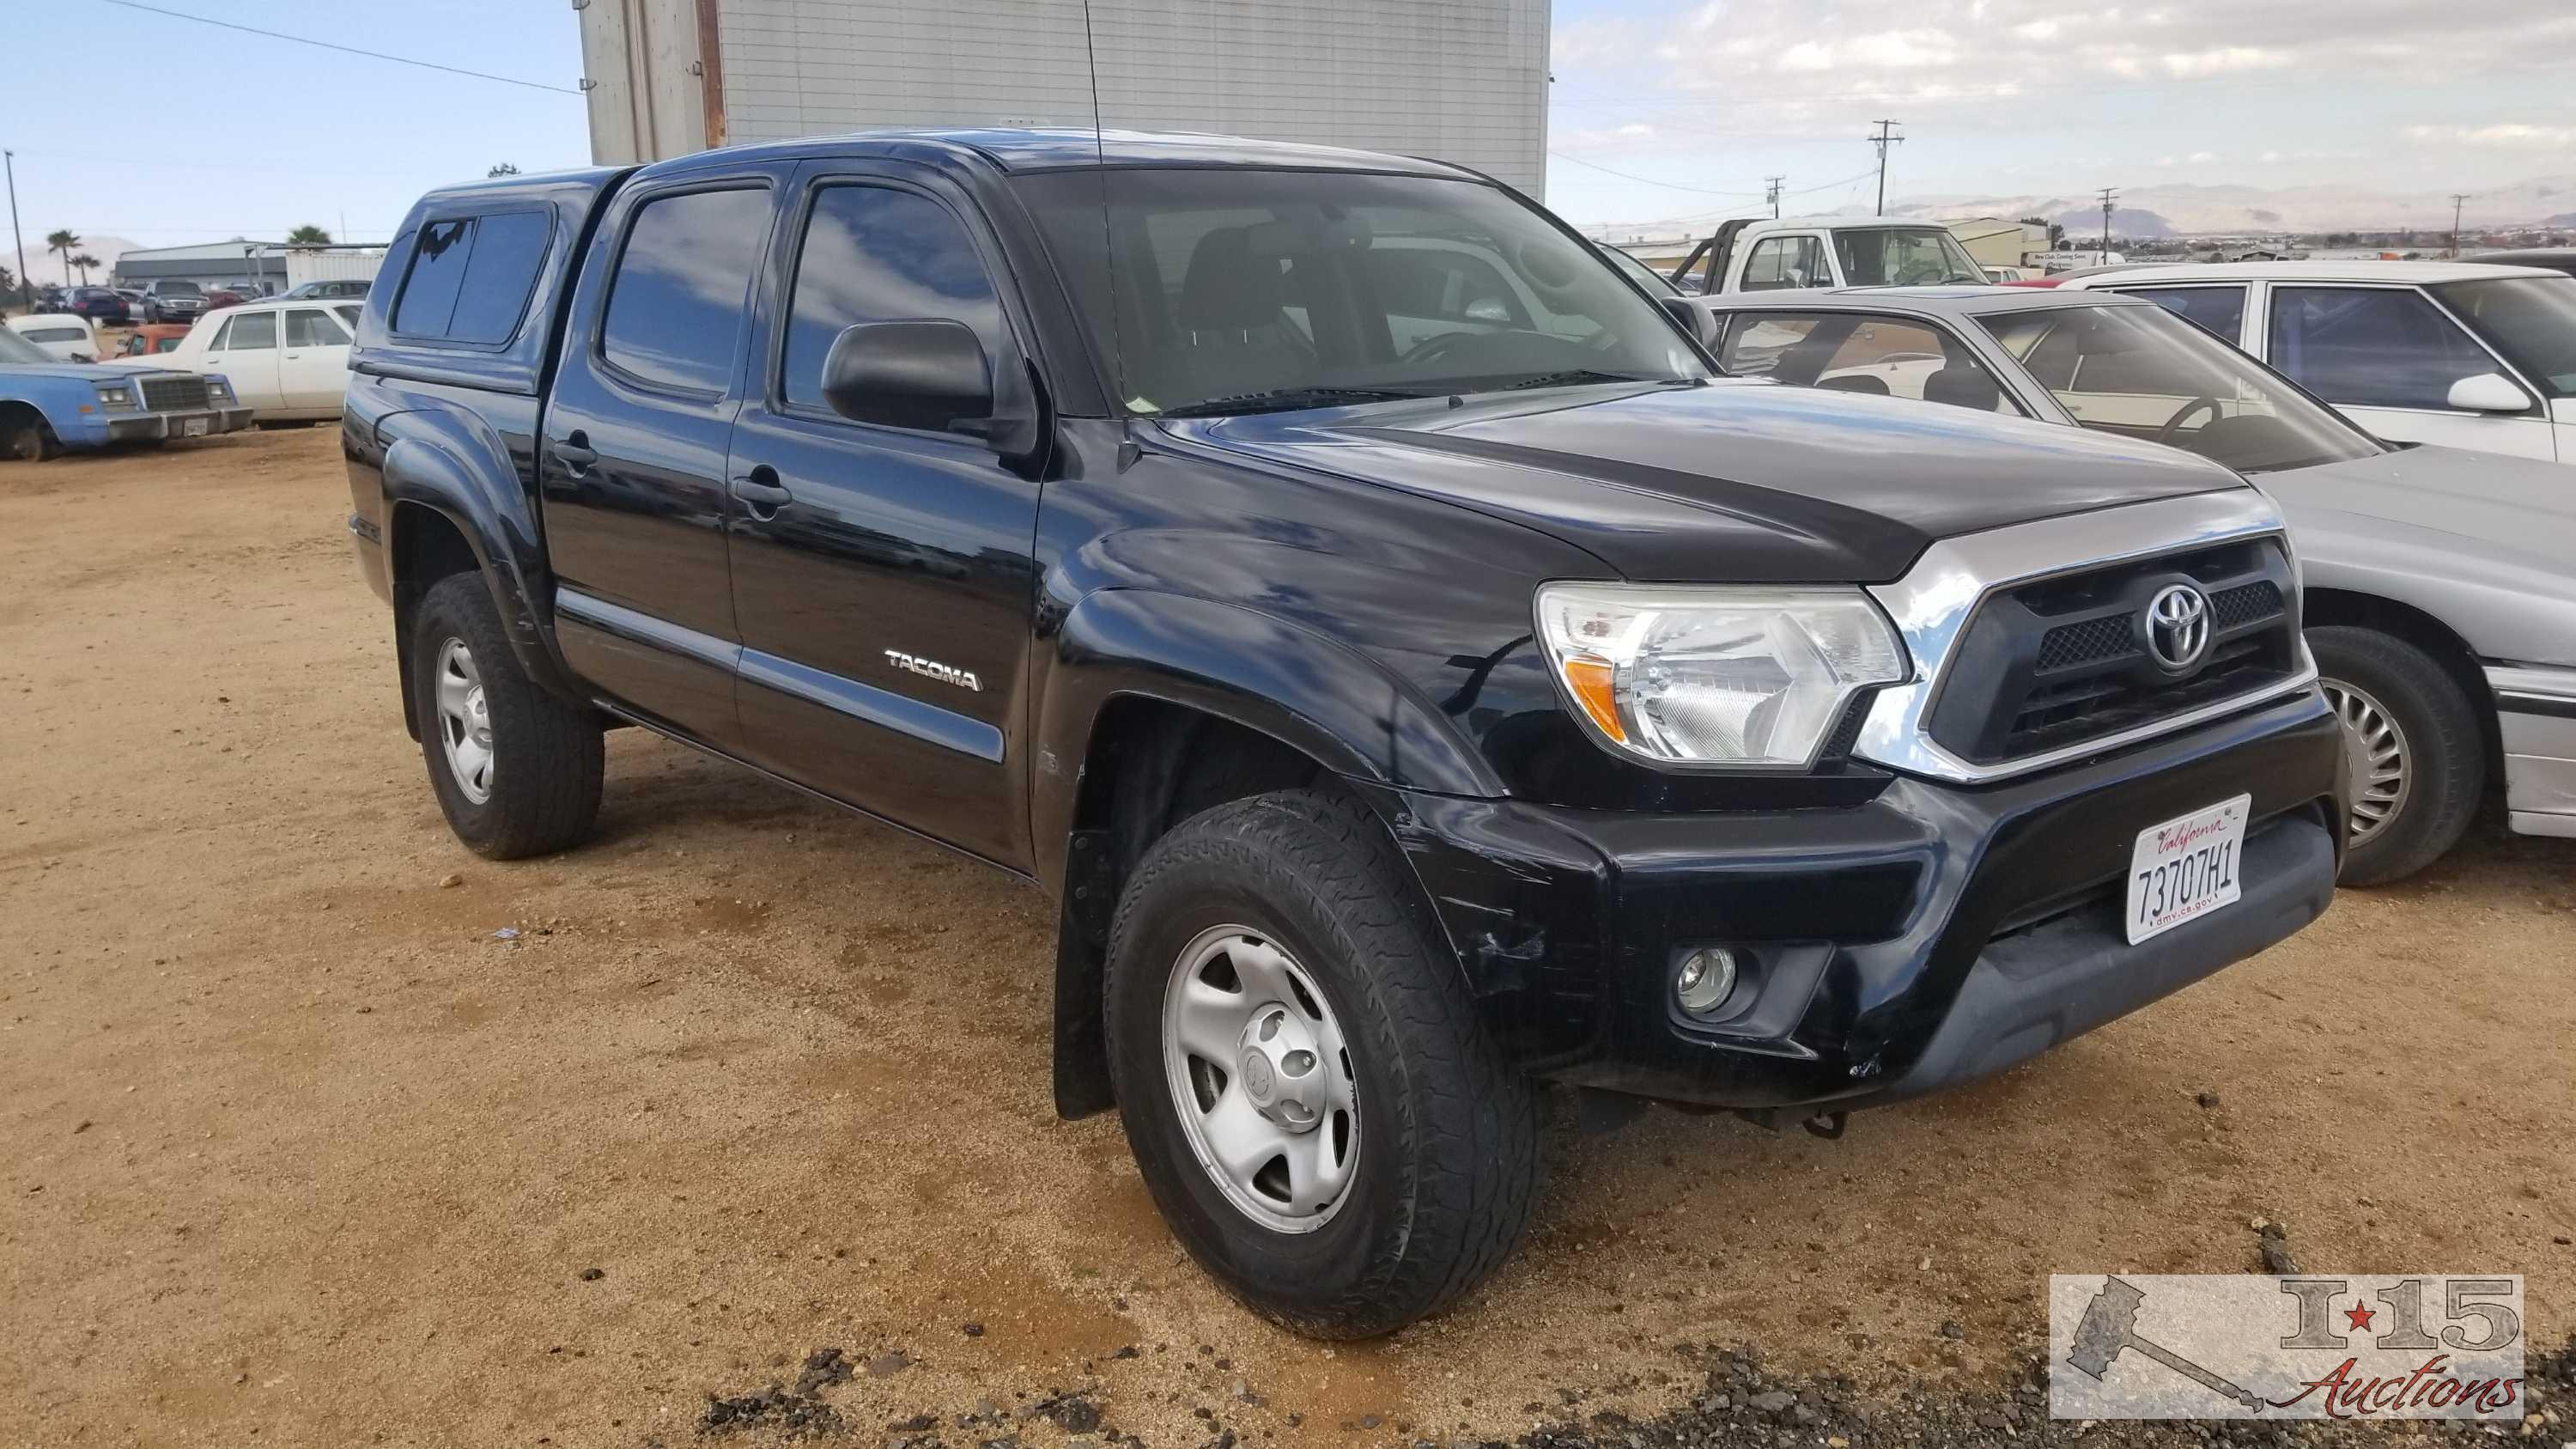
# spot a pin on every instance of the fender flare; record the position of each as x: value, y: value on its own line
x: 1309, y: 691
x: 500, y: 528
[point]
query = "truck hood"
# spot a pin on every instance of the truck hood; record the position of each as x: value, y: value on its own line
x: 1742, y: 481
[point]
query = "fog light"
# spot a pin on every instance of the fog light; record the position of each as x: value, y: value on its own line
x: 1705, y: 980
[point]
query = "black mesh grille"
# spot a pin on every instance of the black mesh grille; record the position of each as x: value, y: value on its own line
x: 2071, y: 644
x: 2245, y: 604
x: 2064, y: 660
x: 174, y: 394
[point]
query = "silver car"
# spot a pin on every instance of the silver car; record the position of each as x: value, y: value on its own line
x: 2441, y: 584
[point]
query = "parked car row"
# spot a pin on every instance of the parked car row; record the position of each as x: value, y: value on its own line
x: 2441, y: 583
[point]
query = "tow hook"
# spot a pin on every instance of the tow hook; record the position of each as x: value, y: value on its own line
x: 1828, y: 1125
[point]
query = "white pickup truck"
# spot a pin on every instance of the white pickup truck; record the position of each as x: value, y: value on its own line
x: 1826, y: 251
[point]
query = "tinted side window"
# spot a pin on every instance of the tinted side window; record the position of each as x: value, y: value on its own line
x: 251, y: 331
x: 2371, y: 346
x: 676, y: 303
x: 873, y: 254
x: 2220, y: 310
x: 437, y: 270
x: 508, y: 249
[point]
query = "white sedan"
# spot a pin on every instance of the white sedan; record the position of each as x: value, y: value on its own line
x: 65, y: 335
x: 288, y: 361
x: 2457, y: 353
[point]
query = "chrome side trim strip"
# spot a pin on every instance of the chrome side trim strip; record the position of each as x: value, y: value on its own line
x: 643, y: 628
x: 880, y: 707
x: 1936, y: 598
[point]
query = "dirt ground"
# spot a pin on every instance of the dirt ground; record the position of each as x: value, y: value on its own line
x: 295, y: 1142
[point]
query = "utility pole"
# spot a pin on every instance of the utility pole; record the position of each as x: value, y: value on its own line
x: 2110, y: 197
x: 26, y: 298
x: 1773, y: 182
x: 2458, y: 200
x: 1885, y: 138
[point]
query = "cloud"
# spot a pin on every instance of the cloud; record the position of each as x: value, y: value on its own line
x: 2225, y: 59
x: 2511, y: 134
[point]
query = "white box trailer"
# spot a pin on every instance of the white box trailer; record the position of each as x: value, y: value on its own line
x: 333, y: 264
x: 1462, y: 80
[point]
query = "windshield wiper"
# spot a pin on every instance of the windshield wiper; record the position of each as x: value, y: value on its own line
x: 1582, y: 374
x: 1286, y: 399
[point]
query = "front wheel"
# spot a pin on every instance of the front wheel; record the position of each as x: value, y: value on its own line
x: 516, y: 770
x: 2412, y: 744
x: 1309, y: 1093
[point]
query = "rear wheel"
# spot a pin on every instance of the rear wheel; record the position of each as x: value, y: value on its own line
x: 1307, y: 1088
x: 517, y: 771
x: 2412, y: 744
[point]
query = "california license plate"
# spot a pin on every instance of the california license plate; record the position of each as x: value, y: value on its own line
x: 2186, y: 868
x: 193, y: 427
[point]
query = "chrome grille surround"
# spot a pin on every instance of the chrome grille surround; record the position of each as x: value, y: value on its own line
x: 1935, y: 600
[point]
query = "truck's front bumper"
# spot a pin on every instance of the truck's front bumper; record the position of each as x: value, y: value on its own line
x: 1937, y: 934
x: 140, y: 427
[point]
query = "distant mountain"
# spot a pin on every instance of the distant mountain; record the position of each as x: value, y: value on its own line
x: 2167, y: 210
x: 48, y: 268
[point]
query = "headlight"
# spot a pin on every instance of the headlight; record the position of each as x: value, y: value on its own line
x: 115, y: 395
x: 1744, y: 677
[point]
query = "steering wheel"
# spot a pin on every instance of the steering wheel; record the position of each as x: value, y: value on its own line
x: 2174, y: 424
x: 1435, y: 347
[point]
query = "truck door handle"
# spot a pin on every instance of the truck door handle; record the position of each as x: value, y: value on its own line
x: 575, y: 453
x: 760, y: 489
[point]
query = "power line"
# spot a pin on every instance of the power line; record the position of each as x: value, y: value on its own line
x: 1647, y: 180
x: 343, y: 49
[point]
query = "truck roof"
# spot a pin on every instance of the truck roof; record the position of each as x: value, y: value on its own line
x: 1030, y: 149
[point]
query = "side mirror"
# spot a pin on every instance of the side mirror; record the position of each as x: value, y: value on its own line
x: 932, y: 374
x: 1692, y: 319
x: 2489, y: 392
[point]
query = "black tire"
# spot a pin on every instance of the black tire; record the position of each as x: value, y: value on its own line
x: 2437, y: 731
x: 1447, y: 1132
x: 542, y: 790
x: 27, y: 439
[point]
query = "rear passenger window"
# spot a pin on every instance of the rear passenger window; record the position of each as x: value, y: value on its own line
x: 2220, y: 310
x: 250, y: 332
x: 312, y: 327
x: 873, y: 254
x: 676, y: 303
x: 470, y: 277
x: 437, y: 270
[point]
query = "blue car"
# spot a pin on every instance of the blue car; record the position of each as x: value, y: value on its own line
x: 47, y: 406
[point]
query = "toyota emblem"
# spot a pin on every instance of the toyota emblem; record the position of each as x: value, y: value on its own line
x: 2178, y: 626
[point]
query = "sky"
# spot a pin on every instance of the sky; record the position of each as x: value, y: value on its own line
x: 2048, y: 97
x: 1695, y: 102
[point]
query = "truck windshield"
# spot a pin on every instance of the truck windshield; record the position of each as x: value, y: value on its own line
x: 1213, y: 292
x: 181, y: 289
x: 2531, y: 320
x: 1919, y: 256
x: 2145, y: 373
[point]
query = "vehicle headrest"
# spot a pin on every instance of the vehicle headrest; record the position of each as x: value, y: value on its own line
x: 1963, y: 385
x: 1229, y: 286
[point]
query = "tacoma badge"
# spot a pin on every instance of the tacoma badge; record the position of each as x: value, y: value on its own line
x: 931, y: 668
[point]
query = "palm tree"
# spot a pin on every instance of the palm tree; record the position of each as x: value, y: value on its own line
x: 63, y: 241
x: 308, y: 235
x: 85, y: 261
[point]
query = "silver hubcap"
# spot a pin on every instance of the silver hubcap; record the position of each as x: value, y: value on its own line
x: 2383, y: 769
x: 464, y: 721
x: 1261, y: 1078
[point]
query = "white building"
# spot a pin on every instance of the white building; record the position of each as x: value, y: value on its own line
x: 1461, y: 80
x: 272, y: 267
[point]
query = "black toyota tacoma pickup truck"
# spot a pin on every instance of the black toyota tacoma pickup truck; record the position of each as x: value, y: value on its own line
x: 1415, y: 673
